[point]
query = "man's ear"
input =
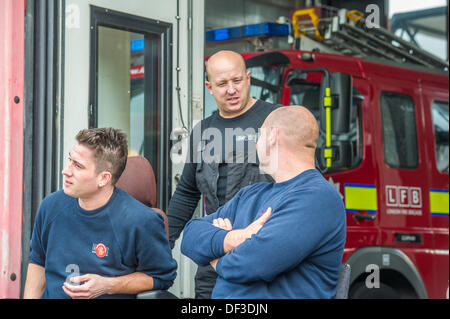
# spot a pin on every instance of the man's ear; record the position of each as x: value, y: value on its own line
x: 208, y: 86
x: 273, y: 136
x: 105, y: 178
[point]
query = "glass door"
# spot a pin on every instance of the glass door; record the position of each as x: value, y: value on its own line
x: 126, y: 88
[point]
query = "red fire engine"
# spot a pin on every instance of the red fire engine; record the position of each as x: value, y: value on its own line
x: 390, y: 165
x: 384, y: 146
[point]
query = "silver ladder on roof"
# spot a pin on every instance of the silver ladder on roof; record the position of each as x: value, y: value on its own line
x: 347, y: 36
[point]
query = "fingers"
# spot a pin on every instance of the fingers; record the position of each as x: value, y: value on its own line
x: 261, y: 220
x: 228, y: 225
x: 254, y: 227
x: 266, y: 215
x: 79, y: 279
x: 75, y: 288
x: 75, y: 291
x: 223, y: 223
x: 92, y: 286
x: 80, y: 292
x: 213, y: 263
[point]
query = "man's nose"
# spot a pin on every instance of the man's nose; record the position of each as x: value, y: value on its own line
x: 66, y: 170
x: 231, y: 88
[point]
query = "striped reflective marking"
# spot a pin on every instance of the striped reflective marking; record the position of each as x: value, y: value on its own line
x: 439, y: 202
x: 360, y: 197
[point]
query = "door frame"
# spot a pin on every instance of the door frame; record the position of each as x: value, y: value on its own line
x: 158, y: 80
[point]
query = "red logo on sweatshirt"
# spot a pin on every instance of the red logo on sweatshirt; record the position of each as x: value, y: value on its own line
x: 100, y: 250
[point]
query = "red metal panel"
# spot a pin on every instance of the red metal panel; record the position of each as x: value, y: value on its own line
x: 12, y: 33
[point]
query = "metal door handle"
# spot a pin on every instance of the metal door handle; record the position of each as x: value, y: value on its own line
x: 360, y: 217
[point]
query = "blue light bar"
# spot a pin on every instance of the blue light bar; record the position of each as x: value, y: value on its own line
x: 209, y: 36
x: 221, y: 34
x: 252, y: 30
x: 137, y: 45
x: 235, y: 33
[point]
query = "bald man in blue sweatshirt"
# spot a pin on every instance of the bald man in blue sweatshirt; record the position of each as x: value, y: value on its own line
x: 283, y: 239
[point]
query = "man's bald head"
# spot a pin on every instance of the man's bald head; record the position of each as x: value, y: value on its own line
x: 224, y: 57
x: 298, y: 127
x: 229, y: 83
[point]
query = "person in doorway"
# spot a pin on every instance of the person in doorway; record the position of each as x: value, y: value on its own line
x: 92, y: 239
x: 222, y: 152
x: 281, y: 239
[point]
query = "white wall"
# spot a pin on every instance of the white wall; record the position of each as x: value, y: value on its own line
x: 76, y: 79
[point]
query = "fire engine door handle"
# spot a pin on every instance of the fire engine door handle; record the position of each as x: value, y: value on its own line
x: 360, y: 217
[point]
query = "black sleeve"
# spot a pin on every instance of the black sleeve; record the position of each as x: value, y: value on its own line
x: 185, y: 198
x: 183, y: 202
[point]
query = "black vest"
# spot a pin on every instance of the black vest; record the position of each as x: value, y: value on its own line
x: 242, y: 170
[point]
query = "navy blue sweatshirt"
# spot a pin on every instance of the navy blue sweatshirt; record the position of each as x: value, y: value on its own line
x: 122, y: 237
x: 296, y: 254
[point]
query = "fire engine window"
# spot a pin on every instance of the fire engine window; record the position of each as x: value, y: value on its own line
x: 266, y: 74
x: 261, y: 93
x: 399, y: 130
x: 440, y: 122
x: 264, y: 84
x: 308, y: 95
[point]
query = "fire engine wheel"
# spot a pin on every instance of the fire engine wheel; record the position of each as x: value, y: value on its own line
x: 360, y: 291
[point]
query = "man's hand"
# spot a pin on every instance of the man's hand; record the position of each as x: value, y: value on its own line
x: 93, y: 287
x: 213, y: 263
x: 237, y: 236
x: 223, y: 223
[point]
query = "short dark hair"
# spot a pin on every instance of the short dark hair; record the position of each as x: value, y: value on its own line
x: 110, y: 149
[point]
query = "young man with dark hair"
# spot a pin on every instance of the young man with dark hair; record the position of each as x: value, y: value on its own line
x: 92, y: 239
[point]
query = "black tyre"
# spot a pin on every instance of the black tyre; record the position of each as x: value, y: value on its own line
x: 360, y: 291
